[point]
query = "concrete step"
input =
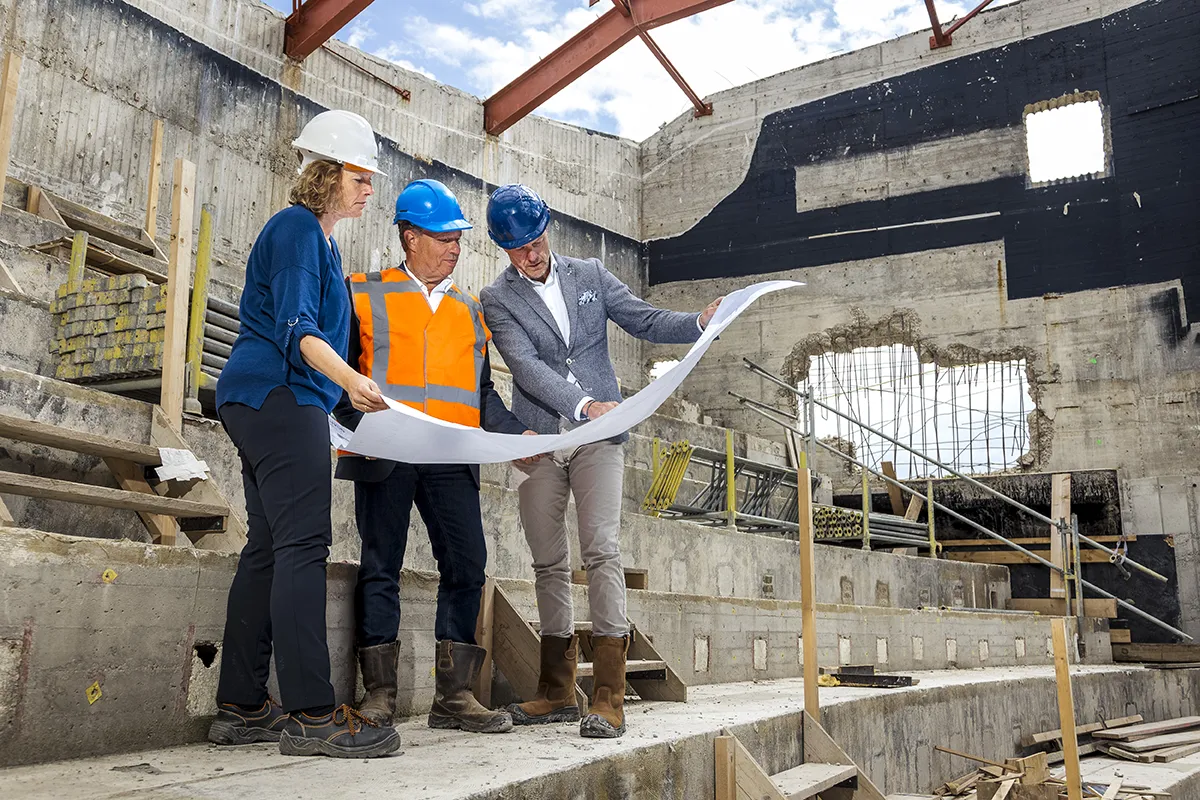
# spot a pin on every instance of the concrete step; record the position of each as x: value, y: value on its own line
x: 668, y: 750
x: 809, y: 780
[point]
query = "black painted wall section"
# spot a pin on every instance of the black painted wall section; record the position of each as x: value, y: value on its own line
x: 1144, y: 62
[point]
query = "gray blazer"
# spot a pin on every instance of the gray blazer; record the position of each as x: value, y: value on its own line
x: 533, y: 348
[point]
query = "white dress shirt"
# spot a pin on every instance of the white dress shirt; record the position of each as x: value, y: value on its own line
x: 551, y: 293
x: 432, y: 296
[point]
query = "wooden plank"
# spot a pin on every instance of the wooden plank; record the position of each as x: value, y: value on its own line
x: 1060, y: 508
x: 1163, y: 742
x: 516, y: 649
x: 155, y: 178
x: 1049, y: 736
x: 996, y: 789
x: 233, y: 539
x: 1120, y: 635
x: 179, y: 274
x: 1092, y: 607
x: 8, y: 111
x: 726, y: 771
x: 915, y: 504
x: 1066, y: 709
x: 1173, y: 753
x: 8, y: 281
x: 107, y: 258
x: 38, y: 204
x: 1034, y: 769
x: 1115, y: 751
x: 1085, y: 749
x: 78, y: 263
x: 1013, y: 557
x: 637, y: 578
x: 753, y: 782
x: 809, y: 780
x: 1131, y: 733
x: 895, y: 496
x: 808, y: 595
x: 1157, y: 653
x: 79, y: 217
x: 27, y: 430
x: 1113, y: 789
x: 86, y: 494
x: 6, y: 517
x: 671, y: 687
x: 483, y: 638
x: 631, y: 666
x: 162, y: 528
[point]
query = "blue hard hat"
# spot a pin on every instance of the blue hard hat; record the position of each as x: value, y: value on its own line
x: 516, y: 216
x: 431, y: 206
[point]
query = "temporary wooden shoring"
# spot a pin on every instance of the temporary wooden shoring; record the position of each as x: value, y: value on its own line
x: 1066, y: 709
x: 808, y: 594
x: 156, y: 156
x: 1060, y: 509
x: 178, y: 280
x: 8, y: 111
x: 199, y: 306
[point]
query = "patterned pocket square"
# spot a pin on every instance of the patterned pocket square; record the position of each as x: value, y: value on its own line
x: 587, y: 297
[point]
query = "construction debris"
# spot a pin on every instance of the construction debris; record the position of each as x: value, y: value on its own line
x: 863, y: 677
x: 1152, y: 742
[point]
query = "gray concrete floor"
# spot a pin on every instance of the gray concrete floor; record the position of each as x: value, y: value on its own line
x: 440, y: 765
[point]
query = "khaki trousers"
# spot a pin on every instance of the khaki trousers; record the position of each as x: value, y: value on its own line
x: 593, y: 474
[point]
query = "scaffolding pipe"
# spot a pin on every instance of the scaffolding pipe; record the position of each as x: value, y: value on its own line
x: 997, y: 494
x: 969, y: 522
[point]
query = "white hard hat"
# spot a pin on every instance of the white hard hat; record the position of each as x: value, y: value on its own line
x: 340, y: 136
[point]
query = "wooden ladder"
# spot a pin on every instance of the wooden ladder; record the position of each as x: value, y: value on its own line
x: 827, y: 772
x: 197, y: 508
x: 515, y: 646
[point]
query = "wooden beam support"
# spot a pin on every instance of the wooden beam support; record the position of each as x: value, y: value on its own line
x: 315, y: 22
x: 87, y: 494
x: 1092, y: 607
x: 1014, y: 557
x: 163, y: 529
x: 1066, y: 709
x: 78, y: 263
x: 895, y: 497
x: 179, y: 273
x: 155, y: 178
x: 6, y: 517
x: 1060, y: 508
x: 483, y: 638
x: 8, y: 112
x: 41, y: 206
x: 1157, y: 653
x: 199, y: 308
x: 26, y: 430
x: 726, y: 767
x: 808, y: 595
x: 8, y: 281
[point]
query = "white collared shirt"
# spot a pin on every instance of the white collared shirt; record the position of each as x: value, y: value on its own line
x: 551, y: 293
x: 432, y: 296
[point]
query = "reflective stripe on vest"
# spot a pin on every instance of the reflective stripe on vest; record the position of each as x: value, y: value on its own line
x: 430, y: 361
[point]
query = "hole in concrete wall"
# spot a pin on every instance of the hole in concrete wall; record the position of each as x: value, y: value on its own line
x: 847, y: 591
x: 883, y: 593
x: 206, y: 652
x: 660, y: 367
x: 1065, y: 139
x: 768, y: 585
x: 973, y: 417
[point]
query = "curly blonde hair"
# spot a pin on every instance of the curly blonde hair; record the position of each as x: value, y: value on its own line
x: 319, y: 187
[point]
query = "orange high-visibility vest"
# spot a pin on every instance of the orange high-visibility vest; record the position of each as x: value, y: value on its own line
x: 431, y: 362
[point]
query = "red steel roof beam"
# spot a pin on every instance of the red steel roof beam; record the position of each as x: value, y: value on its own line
x: 314, y: 22
x: 579, y: 54
x: 942, y: 38
x: 703, y: 109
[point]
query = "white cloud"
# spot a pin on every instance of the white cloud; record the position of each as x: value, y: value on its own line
x: 726, y: 46
x: 528, y: 12
x: 395, y: 53
x: 358, y: 33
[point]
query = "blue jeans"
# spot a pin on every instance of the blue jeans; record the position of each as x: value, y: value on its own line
x: 448, y: 499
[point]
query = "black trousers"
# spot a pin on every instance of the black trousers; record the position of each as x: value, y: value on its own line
x: 448, y: 499
x: 278, y: 594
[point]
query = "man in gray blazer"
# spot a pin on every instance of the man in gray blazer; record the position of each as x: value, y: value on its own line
x: 549, y: 315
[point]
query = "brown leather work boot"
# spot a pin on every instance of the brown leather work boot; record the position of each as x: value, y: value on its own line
x: 454, y: 706
x: 606, y: 714
x: 378, y: 665
x: 555, y: 699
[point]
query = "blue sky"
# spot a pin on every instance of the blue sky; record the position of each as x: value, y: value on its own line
x: 480, y: 45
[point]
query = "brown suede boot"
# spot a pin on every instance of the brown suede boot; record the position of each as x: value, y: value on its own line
x: 454, y: 706
x: 555, y: 699
x: 606, y: 714
x: 378, y: 665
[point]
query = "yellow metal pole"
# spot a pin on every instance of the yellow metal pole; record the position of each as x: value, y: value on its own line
x: 195, y: 335
x: 808, y: 594
x: 730, y: 482
x: 179, y: 272
x: 78, y: 261
x: 933, y: 545
x: 866, y: 511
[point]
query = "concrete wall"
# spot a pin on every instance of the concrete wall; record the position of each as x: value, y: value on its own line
x: 149, y: 634
x: 215, y: 73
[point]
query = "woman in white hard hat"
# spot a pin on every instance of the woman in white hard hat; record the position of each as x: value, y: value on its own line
x: 285, y: 374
